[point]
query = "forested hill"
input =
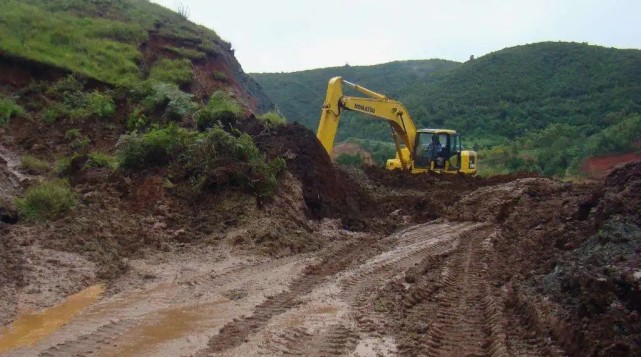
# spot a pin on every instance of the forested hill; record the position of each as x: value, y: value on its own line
x: 520, y: 89
x: 542, y: 107
x: 300, y: 95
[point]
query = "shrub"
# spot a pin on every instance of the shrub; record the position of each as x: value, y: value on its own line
x: 136, y: 120
x: 33, y: 165
x: 72, y: 133
x: 242, y: 163
x: 272, y: 119
x: 137, y: 151
x: 177, y: 71
x: 9, y: 109
x: 99, y: 159
x: 221, y: 108
x: 219, y: 76
x: 46, y: 201
x: 80, y: 143
x: 72, y: 102
x: 62, y: 167
x: 206, y: 160
x: 101, y: 104
x: 174, y: 103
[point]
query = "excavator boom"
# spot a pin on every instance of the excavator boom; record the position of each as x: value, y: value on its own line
x: 377, y: 106
x: 404, y: 131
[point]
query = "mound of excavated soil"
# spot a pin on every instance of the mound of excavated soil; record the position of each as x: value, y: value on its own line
x: 327, y: 193
x: 571, y: 256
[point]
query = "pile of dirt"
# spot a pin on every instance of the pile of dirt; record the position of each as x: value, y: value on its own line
x: 327, y: 193
x: 569, y: 255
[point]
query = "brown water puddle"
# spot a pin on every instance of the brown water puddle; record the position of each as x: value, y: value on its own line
x: 170, y: 325
x: 30, y: 328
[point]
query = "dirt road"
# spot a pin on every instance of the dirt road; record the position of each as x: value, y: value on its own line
x: 424, y: 290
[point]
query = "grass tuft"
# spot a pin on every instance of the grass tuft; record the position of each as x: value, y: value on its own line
x: 178, y: 71
x: 32, y: 165
x: 8, y: 109
x: 46, y: 201
x: 272, y: 119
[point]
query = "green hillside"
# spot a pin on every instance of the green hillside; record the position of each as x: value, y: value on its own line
x: 300, y: 95
x: 541, y: 107
x: 99, y: 39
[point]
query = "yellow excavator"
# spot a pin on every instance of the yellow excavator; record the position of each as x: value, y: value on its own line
x: 417, y: 150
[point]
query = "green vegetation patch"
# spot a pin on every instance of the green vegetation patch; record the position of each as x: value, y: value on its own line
x: 46, y: 201
x: 80, y: 44
x: 100, y: 38
x: 186, y: 52
x: 71, y: 101
x: 167, y: 99
x: 100, y: 159
x: 272, y: 119
x: 34, y: 165
x: 205, y: 160
x: 221, y: 108
x: 8, y: 109
x: 178, y: 71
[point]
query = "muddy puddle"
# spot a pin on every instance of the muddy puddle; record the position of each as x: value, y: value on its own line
x: 30, y: 328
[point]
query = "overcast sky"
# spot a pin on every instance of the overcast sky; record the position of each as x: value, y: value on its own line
x: 293, y: 35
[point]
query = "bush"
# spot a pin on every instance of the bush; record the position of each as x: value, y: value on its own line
x: 72, y: 102
x: 99, y: 159
x: 174, y: 103
x: 221, y: 109
x: 62, y: 167
x: 33, y: 165
x: 137, y: 151
x: 172, y: 71
x: 9, y: 109
x: 46, y: 201
x: 243, y: 164
x: 219, y: 76
x: 72, y: 133
x: 272, y: 119
x: 206, y: 160
x: 136, y: 120
x: 101, y: 104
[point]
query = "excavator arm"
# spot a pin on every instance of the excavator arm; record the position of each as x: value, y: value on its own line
x: 378, y: 106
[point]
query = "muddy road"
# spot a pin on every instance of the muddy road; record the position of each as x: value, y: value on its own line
x: 422, y: 290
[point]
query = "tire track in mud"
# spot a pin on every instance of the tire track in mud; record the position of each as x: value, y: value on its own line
x: 463, y: 323
x: 105, y: 329
x: 237, y: 332
x: 90, y: 343
x: 444, y: 306
x: 527, y: 337
x: 404, y: 250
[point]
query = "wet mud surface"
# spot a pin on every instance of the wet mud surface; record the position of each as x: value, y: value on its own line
x: 341, y: 261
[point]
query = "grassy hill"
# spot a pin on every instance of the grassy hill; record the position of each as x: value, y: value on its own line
x: 542, y: 107
x: 121, y: 43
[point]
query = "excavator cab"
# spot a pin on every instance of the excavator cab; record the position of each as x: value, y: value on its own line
x: 438, y: 150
